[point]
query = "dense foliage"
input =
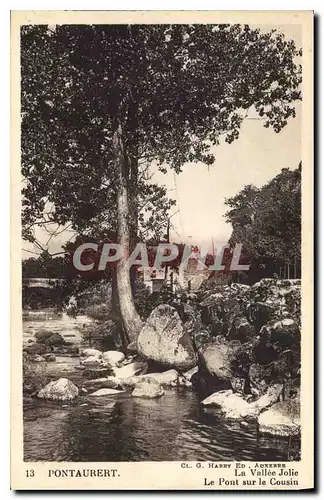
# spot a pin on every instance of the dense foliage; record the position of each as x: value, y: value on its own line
x: 102, y: 103
x: 176, y: 89
x: 267, y: 221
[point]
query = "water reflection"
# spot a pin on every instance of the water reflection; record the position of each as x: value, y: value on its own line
x: 122, y: 428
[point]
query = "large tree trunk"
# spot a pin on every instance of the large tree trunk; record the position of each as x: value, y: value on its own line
x: 133, y: 219
x: 116, y: 311
x: 131, y: 321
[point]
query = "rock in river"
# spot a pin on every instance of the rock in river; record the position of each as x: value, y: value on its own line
x: 49, y: 357
x: 42, y: 335
x: 35, y: 349
x: 282, y: 419
x: 131, y: 369
x: 91, y: 362
x: 234, y: 406
x: 59, y: 390
x: 38, y: 359
x: 55, y: 340
x: 49, y: 338
x: 218, y: 358
x: 168, y: 379
x: 112, y: 358
x: 164, y: 340
x: 106, y: 392
x: 148, y: 389
x: 91, y: 352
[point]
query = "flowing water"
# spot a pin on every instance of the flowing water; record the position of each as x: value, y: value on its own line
x: 122, y: 428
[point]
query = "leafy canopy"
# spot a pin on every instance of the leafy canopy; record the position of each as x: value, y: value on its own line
x: 175, y: 90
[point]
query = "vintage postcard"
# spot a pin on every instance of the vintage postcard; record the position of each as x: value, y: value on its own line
x: 162, y: 250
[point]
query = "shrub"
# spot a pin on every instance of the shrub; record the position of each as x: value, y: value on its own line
x: 92, y: 298
x: 99, y: 312
x: 145, y: 301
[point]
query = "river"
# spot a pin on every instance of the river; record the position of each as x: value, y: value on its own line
x: 122, y: 428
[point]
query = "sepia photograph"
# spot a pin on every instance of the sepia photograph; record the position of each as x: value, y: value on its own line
x: 161, y: 176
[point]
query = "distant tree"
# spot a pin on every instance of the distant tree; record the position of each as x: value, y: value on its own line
x: 44, y: 266
x: 242, y: 216
x: 31, y: 268
x: 101, y: 103
x: 267, y: 221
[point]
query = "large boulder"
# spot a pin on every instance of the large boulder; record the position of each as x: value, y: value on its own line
x: 164, y: 340
x: 218, y: 359
x: 220, y: 367
x: 59, y: 390
x: 282, y: 419
x: 148, y: 389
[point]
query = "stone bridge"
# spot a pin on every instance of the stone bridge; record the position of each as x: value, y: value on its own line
x: 41, y: 282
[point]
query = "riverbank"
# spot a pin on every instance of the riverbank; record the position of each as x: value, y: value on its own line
x: 232, y: 351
